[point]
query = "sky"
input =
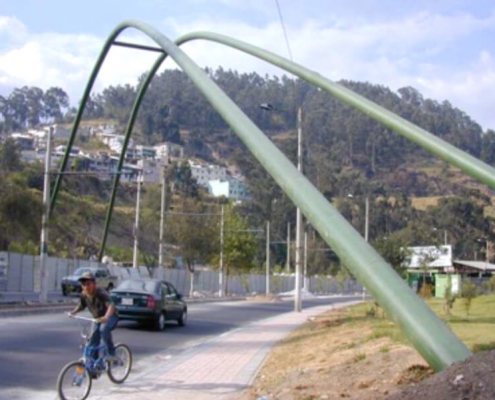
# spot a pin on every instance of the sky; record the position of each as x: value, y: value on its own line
x: 443, y: 48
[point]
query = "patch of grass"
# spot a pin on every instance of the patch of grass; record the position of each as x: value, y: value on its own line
x: 359, y: 357
x: 477, y: 347
x: 385, y: 349
x: 414, y: 374
x: 479, y: 328
x: 422, y: 203
x: 349, y: 346
x: 377, y: 334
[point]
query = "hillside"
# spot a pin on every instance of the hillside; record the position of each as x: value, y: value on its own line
x: 344, y: 153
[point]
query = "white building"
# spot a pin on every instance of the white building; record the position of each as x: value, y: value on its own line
x: 142, y: 151
x: 231, y: 188
x: 25, y: 142
x: 204, y: 173
x: 169, y: 150
x: 152, y: 170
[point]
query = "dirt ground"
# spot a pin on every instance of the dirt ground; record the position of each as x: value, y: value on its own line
x: 345, y: 354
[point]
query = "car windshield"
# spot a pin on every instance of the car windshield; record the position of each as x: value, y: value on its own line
x: 135, y: 284
x: 81, y: 271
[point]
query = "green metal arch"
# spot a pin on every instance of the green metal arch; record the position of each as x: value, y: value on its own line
x: 431, y: 337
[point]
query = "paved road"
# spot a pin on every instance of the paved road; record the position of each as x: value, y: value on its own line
x: 33, y: 349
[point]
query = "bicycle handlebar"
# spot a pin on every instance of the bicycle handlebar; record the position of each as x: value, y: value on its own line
x: 82, y: 318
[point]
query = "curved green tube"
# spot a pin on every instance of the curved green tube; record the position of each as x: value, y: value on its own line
x: 80, y: 111
x: 431, y: 337
x: 469, y: 164
x: 128, y: 131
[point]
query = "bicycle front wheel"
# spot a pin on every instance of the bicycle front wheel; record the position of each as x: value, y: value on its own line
x: 119, y: 370
x: 74, y: 382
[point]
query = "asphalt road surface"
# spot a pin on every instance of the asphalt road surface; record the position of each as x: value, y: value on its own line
x: 34, y: 348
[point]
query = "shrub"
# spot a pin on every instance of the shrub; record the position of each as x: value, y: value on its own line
x: 426, y: 291
x: 468, y: 293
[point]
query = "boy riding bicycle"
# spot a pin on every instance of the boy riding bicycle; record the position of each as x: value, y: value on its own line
x: 102, y: 309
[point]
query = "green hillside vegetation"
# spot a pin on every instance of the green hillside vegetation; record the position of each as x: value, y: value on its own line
x: 414, y: 197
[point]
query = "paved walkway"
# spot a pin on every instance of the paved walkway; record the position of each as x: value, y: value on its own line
x: 216, y: 370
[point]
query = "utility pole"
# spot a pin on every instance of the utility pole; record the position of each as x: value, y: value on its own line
x: 366, y: 218
x: 267, y: 257
x: 306, y: 279
x: 161, y: 261
x: 287, y: 266
x: 297, y: 297
x: 136, y: 224
x: 220, y: 276
x: 44, y: 219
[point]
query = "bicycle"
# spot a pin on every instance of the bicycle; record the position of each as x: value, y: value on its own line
x: 77, y: 376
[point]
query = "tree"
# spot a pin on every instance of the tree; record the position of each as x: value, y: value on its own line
x: 10, y: 157
x: 182, y: 180
x: 19, y: 108
x: 393, y: 250
x: 34, y: 98
x: 195, y: 232
x: 240, y: 244
x: 20, y: 214
x: 55, y: 100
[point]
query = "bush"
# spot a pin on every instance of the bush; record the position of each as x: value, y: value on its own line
x: 468, y: 293
x: 426, y: 291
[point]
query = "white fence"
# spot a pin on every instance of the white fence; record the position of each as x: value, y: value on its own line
x: 20, y: 273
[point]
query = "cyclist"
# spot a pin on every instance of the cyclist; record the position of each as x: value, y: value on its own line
x: 102, y: 309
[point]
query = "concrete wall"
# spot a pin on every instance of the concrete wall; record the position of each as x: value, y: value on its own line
x: 22, y: 275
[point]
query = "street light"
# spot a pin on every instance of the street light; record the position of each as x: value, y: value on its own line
x: 297, y: 297
x: 161, y: 261
x: 366, y: 215
x: 44, y: 220
x: 366, y: 224
x: 136, y: 223
x: 485, y: 240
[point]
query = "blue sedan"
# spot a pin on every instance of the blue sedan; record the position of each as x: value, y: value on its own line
x: 149, y: 301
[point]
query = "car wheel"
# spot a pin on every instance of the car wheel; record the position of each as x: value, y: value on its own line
x: 160, y: 322
x: 182, y: 321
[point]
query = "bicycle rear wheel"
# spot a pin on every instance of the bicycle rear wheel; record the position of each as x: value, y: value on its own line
x: 119, y: 370
x: 74, y: 382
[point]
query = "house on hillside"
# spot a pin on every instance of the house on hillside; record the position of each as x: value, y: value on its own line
x: 231, y: 188
x: 204, y: 173
x: 436, y: 265
x: 170, y: 151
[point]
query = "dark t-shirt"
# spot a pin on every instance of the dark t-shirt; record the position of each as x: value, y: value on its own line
x: 97, y: 304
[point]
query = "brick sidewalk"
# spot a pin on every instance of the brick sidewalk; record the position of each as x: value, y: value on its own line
x: 216, y: 370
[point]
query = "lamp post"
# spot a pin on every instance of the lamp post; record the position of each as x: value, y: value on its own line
x: 305, y: 273
x: 297, y: 299
x: 43, y: 298
x: 267, y: 285
x: 366, y: 215
x: 221, y: 274
x: 298, y: 258
x: 136, y: 223
x: 287, y: 261
x: 485, y: 240
x: 161, y: 267
x: 366, y: 224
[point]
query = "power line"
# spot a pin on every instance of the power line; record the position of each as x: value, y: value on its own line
x: 285, y: 31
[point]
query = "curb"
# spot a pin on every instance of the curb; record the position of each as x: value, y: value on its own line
x: 24, y: 310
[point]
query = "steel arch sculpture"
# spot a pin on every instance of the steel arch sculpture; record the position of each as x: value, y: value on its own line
x: 431, y: 337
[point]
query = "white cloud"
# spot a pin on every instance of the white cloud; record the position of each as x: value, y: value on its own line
x: 408, y: 51
x: 470, y: 90
x: 63, y: 60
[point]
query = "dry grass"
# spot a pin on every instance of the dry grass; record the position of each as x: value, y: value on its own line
x: 349, y: 354
x: 422, y: 203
